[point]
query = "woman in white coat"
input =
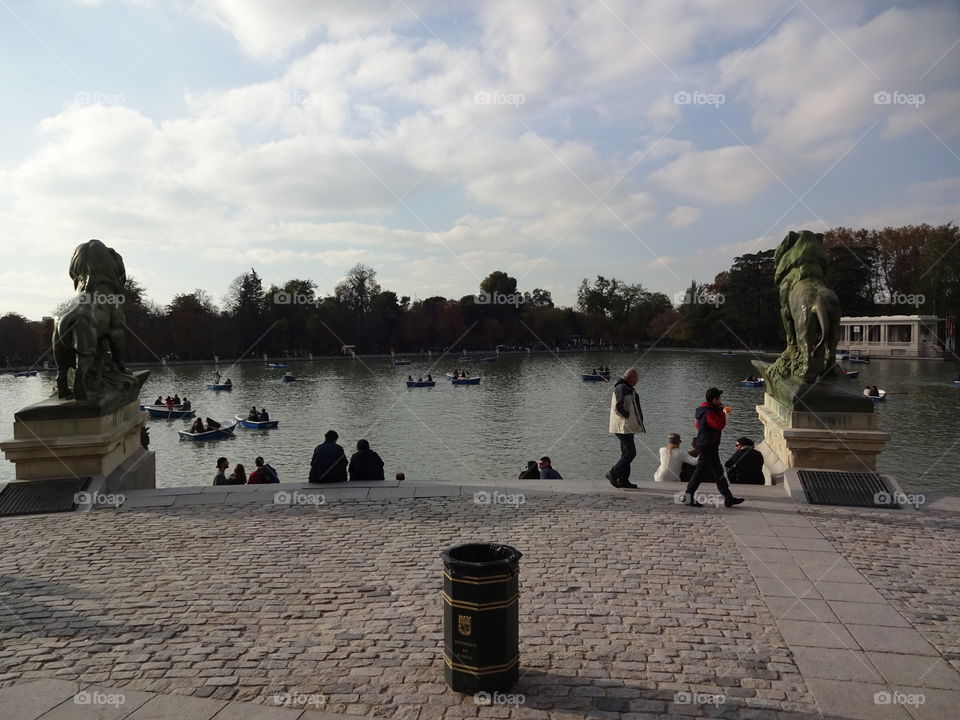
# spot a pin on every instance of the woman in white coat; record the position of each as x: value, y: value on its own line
x: 672, y: 459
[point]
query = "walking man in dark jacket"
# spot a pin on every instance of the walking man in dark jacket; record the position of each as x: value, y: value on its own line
x: 626, y: 419
x: 711, y: 420
x: 329, y: 463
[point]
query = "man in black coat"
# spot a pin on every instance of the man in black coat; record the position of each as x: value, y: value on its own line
x: 746, y: 464
x: 365, y: 464
x: 329, y: 463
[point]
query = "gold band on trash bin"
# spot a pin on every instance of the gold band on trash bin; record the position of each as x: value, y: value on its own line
x: 485, y: 670
x: 479, y: 607
x: 473, y: 580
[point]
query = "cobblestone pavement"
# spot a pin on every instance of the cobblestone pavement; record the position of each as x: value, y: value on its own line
x: 631, y: 606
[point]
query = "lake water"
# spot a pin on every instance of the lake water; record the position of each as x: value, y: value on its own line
x: 524, y: 407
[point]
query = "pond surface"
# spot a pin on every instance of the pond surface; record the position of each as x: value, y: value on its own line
x: 524, y: 407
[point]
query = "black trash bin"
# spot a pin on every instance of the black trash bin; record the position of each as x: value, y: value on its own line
x: 481, y: 617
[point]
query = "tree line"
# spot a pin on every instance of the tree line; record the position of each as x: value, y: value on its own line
x: 907, y: 270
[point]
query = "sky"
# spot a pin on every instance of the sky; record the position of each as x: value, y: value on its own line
x: 436, y: 142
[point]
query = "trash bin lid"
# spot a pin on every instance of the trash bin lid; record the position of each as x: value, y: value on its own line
x: 481, y: 557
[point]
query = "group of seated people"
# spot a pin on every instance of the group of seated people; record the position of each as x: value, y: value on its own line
x: 751, y: 378
x: 173, y: 403
x: 262, y: 416
x: 330, y: 465
x: 420, y: 379
x: 542, y: 471
x: 459, y: 374
x: 745, y: 466
x: 601, y: 371
x: 262, y: 475
x: 873, y: 391
x: 198, y: 426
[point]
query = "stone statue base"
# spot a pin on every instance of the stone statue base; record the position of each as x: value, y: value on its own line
x: 65, y: 438
x: 795, y: 437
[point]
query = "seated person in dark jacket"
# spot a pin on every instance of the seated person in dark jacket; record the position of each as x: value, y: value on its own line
x: 531, y: 473
x: 745, y: 466
x: 547, y: 471
x: 329, y: 463
x: 365, y: 464
x: 264, y: 415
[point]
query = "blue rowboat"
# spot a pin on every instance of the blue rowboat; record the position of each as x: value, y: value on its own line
x: 26, y: 373
x: 752, y: 383
x: 257, y: 424
x: 218, y: 434
x: 422, y: 383
x: 876, y: 398
x: 288, y: 378
x: 728, y: 354
x: 590, y: 377
x: 466, y: 381
x: 276, y: 366
x: 852, y: 374
x: 401, y: 362
x: 160, y: 411
x: 219, y: 386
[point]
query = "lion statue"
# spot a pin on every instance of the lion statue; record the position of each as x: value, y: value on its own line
x: 88, y: 336
x: 809, y: 309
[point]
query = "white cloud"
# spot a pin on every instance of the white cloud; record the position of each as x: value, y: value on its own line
x: 731, y: 174
x: 683, y: 216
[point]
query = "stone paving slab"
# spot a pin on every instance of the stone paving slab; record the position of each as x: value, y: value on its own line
x: 631, y: 606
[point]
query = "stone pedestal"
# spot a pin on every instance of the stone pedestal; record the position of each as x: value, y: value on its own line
x: 58, y: 438
x: 819, y: 440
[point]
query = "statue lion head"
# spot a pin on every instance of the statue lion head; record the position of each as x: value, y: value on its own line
x: 95, y: 266
x: 804, y: 252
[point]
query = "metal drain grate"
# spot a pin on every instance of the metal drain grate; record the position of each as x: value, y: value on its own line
x: 832, y: 487
x: 30, y: 497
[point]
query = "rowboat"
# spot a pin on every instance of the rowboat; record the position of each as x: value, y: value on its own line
x: 492, y: 358
x: 876, y: 398
x: 605, y: 373
x: 466, y: 381
x: 25, y: 373
x: 219, y: 386
x: 257, y: 424
x: 752, y: 383
x: 591, y: 377
x: 422, y: 383
x: 161, y: 411
x: 860, y: 360
x: 842, y: 355
x: 401, y: 362
x: 728, y: 354
x: 276, y: 366
x: 288, y: 378
x: 218, y: 434
x: 852, y: 374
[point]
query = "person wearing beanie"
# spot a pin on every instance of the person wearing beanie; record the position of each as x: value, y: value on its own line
x: 711, y: 420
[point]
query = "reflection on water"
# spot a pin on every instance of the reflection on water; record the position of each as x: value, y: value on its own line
x: 523, y: 408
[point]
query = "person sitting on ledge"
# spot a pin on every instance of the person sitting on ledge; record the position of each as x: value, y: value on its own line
x: 329, y: 462
x: 253, y: 414
x: 263, y: 475
x: 547, y: 471
x: 672, y: 460
x: 532, y: 472
x: 365, y: 464
x: 745, y: 466
x: 220, y: 478
x: 238, y: 476
x: 264, y: 416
